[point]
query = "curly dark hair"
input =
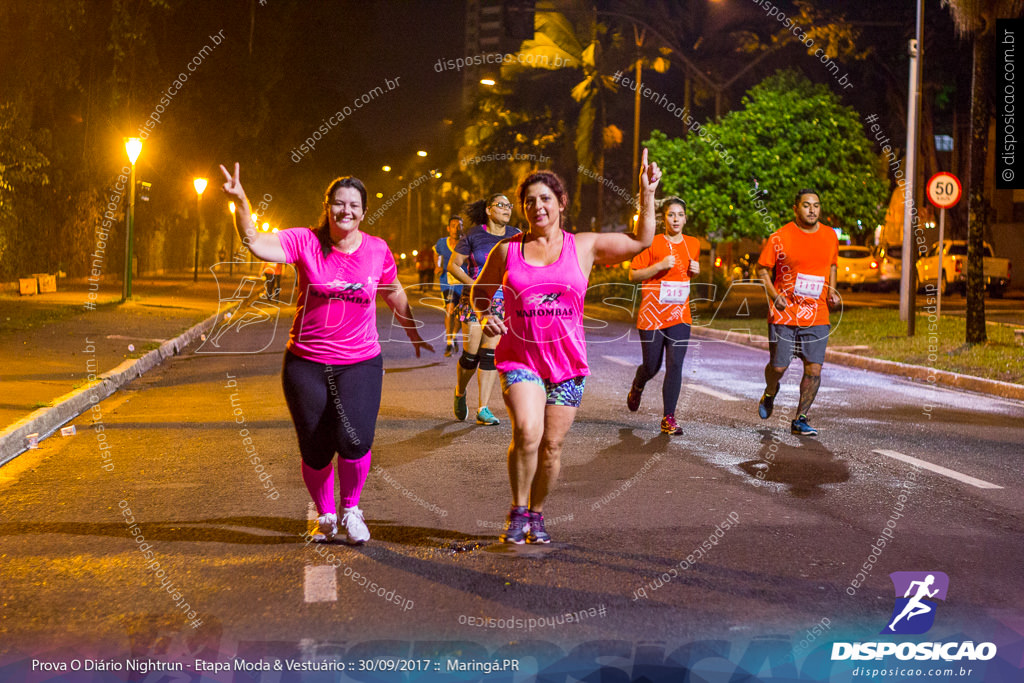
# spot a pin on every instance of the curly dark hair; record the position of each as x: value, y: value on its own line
x: 476, y: 211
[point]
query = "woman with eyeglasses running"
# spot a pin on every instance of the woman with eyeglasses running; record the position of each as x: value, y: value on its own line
x: 665, y: 269
x: 333, y: 372
x: 490, y: 219
x: 542, y: 355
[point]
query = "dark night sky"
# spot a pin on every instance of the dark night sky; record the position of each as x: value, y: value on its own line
x: 320, y: 56
x: 325, y: 55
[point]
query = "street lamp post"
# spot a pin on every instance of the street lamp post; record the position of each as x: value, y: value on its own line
x: 133, y: 147
x: 231, y: 254
x: 200, y: 185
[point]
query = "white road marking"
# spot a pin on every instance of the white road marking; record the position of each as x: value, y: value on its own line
x: 619, y: 360
x: 321, y: 583
x: 938, y: 469
x: 118, y: 336
x: 712, y: 392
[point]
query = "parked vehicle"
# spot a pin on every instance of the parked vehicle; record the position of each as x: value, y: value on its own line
x: 953, y: 271
x: 858, y: 267
x: 890, y: 266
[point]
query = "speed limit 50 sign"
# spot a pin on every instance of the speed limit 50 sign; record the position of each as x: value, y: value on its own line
x: 944, y: 190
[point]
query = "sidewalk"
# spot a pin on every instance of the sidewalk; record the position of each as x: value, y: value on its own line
x: 51, y: 343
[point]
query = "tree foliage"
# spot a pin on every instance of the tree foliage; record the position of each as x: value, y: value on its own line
x: 789, y: 134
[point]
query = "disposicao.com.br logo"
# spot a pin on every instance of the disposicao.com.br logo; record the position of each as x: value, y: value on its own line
x: 914, y: 613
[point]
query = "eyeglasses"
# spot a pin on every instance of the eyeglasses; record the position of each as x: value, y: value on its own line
x: 502, y: 205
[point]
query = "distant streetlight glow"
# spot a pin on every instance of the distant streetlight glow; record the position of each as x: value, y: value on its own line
x: 132, y: 147
x: 380, y: 195
x: 386, y: 168
x: 487, y: 81
x: 200, y: 185
x: 421, y: 153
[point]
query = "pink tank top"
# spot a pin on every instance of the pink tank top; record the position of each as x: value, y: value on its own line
x: 544, y: 315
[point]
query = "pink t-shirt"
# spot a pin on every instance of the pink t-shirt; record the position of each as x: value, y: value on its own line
x: 544, y: 315
x: 335, y: 319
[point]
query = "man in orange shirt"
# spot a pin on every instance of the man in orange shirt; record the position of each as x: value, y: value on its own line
x: 804, y: 254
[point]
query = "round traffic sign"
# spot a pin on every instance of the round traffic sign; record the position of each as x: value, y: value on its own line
x: 944, y: 190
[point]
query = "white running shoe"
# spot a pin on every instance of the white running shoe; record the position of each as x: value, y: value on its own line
x: 354, y: 525
x: 327, y: 525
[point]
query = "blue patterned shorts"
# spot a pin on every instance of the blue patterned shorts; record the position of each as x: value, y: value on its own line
x: 566, y: 393
x: 466, y: 313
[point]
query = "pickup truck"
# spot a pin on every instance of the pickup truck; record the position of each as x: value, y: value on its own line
x: 954, y: 268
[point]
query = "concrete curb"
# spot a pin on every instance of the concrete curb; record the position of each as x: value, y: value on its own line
x: 46, y: 421
x: 888, y: 367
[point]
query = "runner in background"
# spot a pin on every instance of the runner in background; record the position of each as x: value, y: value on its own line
x: 425, y: 266
x: 665, y: 269
x: 490, y: 219
x: 451, y: 293
x: 804, y: 254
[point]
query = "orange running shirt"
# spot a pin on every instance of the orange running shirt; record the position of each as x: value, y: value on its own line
x: 662, y: 297
x: 802, y: 263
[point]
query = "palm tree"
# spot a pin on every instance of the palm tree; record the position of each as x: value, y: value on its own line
x: 976, y: 19
x: 580, y: 43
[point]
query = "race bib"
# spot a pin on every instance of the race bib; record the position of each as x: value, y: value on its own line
x: 674, y: 292
x: 809, y: 286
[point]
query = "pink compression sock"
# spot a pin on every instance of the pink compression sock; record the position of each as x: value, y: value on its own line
x: 321, y: 487
x: 351, y: 478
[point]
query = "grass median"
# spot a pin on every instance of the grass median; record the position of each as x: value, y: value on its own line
x: 937, y: 343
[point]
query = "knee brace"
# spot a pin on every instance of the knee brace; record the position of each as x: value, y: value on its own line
x: 487, y: 359
x: 469, y: 361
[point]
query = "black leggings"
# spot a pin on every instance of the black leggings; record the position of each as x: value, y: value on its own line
x: 673, y: 340
x: 334, y: 407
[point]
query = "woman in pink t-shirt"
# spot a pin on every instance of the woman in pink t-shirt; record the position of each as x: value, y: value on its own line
x: 333, y: 370
x: 542, y: 355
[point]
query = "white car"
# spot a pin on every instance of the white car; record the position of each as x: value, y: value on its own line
x: 890, y: 266
x: 858, y: 267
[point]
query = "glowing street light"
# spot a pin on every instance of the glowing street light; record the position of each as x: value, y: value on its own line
x: 386, y: 168
x: 200, y: 185
x: 487, y: 81
x: 132, y: 147
x: 421, y: 153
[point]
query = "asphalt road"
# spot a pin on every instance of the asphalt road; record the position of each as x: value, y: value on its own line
x: 786, y: 522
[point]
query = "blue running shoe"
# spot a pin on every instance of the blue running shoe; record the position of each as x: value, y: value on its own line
x: 460, y: 407
x: 537, y: 533
x: 486, y: 417
x: 517, y: 526
x: 801, y: 428
x: 766, y: 405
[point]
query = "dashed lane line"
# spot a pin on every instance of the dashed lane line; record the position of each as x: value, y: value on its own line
x: 321, y: 581
x: 711, y: 392
x: 939, y: 469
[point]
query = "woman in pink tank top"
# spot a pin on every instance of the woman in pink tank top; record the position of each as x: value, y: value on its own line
x: 542, y: 355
